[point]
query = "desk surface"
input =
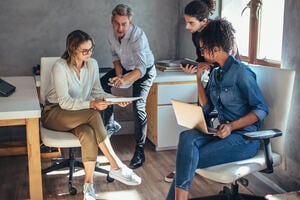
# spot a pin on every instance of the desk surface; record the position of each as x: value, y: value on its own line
x: 23, y: 108
x: 173, y: 77
x: 23, y: 103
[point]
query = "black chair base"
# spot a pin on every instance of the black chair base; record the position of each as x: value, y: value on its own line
x: 71, y: 163
x: 230, y: 194
x: 230, y: 197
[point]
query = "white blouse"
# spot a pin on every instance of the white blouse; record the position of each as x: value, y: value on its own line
x: 72, y: 93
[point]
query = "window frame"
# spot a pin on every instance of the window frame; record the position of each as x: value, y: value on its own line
x: 251, y: 58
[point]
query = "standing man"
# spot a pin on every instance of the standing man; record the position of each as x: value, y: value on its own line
x: 133, y: 64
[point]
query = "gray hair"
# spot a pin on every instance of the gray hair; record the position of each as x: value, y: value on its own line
x: 123, y: 10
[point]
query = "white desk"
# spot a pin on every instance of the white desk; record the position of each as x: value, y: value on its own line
x: 22, y: 108
x: 163, y: 130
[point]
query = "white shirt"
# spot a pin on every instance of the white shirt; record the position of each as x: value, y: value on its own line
x: 70, y: 92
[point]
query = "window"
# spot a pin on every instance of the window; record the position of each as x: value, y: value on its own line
x: 259, y: 28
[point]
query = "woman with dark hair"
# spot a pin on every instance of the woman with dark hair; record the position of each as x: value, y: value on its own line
x: 196, y: 16
x: 233, y: 91
x: 73, y: 104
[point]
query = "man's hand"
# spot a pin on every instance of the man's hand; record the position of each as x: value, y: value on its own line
x: 124, y: 104
x: 117, y: 81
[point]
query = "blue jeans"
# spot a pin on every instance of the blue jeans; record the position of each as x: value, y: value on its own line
x: 140, y: 88
x: 199, y: 150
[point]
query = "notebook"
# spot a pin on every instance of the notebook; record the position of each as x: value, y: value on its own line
x: 191, y: 116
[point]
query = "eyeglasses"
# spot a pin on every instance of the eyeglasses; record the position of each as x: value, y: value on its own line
x: 85, y: 52
x: 202, y: 50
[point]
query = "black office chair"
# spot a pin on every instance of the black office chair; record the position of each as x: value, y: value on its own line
x: 59, y: 139
x: 278, y: 94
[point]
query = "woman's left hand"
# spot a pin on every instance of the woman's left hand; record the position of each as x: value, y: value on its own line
x: 201, y: 67
x: 189, y: 69
x: 224, y: 131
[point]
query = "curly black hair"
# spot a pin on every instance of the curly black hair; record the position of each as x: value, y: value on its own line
x: 218, y: 32
x: 200, y: 9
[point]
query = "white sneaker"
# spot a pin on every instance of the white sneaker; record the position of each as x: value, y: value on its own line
x: 125, y: 175
x: 89, y: 192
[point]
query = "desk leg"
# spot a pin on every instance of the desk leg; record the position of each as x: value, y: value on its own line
x: 34, y: 159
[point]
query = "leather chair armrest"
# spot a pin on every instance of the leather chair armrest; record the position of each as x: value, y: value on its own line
x: 265, y: 135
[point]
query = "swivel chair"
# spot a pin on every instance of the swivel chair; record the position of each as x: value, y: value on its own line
x: 59, y: 139
x: 277, y: 87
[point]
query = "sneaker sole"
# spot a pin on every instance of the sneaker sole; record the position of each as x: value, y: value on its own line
x: 122, y: 180
x: 169, y: 180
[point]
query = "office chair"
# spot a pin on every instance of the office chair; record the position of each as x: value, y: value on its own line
x: 59, y: 139
x: 277, y: 87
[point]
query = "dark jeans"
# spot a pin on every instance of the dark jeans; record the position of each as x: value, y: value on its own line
x: 140, y: 88
x: 198, y: 150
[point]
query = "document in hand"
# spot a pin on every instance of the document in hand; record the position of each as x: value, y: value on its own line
x: 121, y: 99
x: 191, y: 116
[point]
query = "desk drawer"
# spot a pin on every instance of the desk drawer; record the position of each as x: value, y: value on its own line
x: 184, y: 92
x: 167, y: 128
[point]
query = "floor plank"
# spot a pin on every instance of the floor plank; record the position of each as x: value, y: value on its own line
x: 14, y: 177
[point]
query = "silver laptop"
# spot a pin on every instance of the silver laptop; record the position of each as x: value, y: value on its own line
x: 191, y: 116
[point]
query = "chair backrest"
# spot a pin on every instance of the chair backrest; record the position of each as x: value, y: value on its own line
x: 277, y: 87
x: 45, y: 76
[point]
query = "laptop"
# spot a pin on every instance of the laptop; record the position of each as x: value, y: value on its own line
x: 191, y: 116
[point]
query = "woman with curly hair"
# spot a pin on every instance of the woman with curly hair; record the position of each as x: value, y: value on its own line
x: 233, y: 91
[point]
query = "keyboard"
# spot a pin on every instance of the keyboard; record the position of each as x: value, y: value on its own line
x: 6, y: 88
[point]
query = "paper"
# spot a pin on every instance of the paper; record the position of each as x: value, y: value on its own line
x: 121, y: 99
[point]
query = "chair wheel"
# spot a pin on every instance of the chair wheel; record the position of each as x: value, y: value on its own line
x: 72, y: 191
x: 109, y: 179
x: 56, y: 161
x: 225, y: 191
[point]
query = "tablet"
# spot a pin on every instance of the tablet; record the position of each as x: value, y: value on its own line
x: 186, y: 61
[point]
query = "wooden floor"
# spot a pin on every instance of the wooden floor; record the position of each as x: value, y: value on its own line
x: 14, y: 177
